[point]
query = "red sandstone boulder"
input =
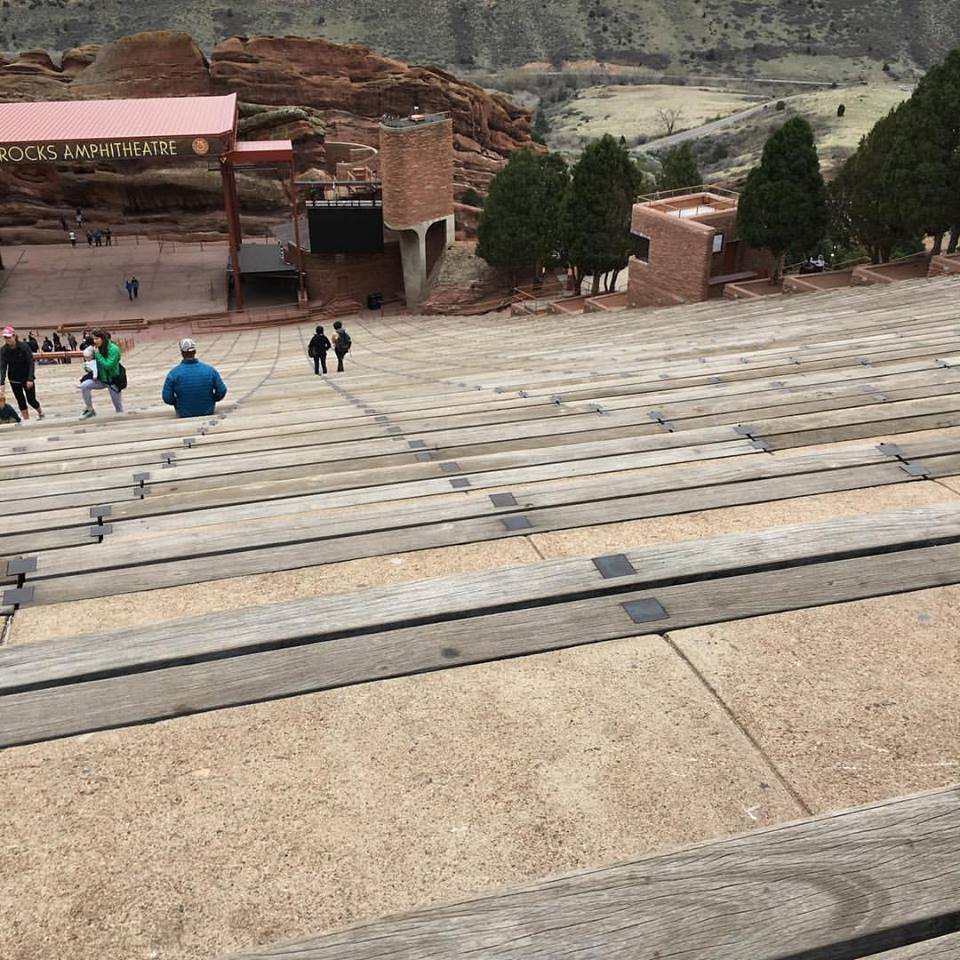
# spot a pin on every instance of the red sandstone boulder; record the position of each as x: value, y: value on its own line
x: 160, y: 64
x: 77, y: 59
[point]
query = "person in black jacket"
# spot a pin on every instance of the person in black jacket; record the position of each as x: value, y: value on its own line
x: 317, y: 348
x: 16, y: 359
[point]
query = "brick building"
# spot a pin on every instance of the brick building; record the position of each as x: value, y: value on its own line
x: 382, y: 221
x: 686, y: 248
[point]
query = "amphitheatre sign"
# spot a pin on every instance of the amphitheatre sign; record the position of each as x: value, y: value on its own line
x: 136, y: 149
x: 151, y: 129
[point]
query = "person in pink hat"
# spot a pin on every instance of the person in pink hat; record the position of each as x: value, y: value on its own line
x: 16, y: 360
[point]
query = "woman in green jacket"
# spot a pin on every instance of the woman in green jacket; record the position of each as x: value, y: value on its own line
x: 107, y: 355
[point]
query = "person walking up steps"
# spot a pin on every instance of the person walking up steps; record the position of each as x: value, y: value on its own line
x: 318, y: 347
x: 341, y: 344
x: 110, y: 374
x: 16, y: 359
x: 193, y: 388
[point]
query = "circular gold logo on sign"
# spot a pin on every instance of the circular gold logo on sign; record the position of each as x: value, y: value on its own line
x: 201, y: 147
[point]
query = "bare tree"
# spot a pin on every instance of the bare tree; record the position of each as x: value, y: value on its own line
x: 670, y: 117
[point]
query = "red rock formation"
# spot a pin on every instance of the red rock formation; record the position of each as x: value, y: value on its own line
x: 352, y: 87
x: 342, y: 88
x: 161, y: 64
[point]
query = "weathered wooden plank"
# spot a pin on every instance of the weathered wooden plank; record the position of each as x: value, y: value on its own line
x: 472, y: 519
x: 829, y: 888
x: 173, y: 691
x: 66, y: 660
x: 939, y: 948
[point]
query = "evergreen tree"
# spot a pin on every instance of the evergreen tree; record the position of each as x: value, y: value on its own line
x: 597, y: 211
x: 541, y: 127
x: 864, y: 200
x: 783, y: 205
x: 925, y: 161
x: 519, y: 227
x: 679, y: 169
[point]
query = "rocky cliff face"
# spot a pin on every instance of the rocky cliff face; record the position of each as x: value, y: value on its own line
x: 305, y: 90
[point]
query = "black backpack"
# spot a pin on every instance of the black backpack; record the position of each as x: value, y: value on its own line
x: 344, y: 343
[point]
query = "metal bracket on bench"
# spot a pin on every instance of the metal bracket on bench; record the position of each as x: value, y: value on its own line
x: 394, y: 430
x: 450, y: 467
x: 759, y: 444
x: 503, y: 499
x: 889, y: 449
x: 459, y: 482
x: 380, y: 419
x: 21, y: 565
x: 743, y: 429
x: 189, y: 441
x: 944, y: 364
x: 101, y: 529
x: 141, y: 491
x: 516, y: 523
x: 416, y: 444
x: 424, y: 455
x: 168, y: 456
x: 18, y: 596
x: 616, y: 566
x: 646, y: 610
x: 915, y: 469
x: 141, y: 477
x: 103, y: 510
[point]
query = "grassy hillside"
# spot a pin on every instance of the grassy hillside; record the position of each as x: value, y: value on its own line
x: 771, y: 37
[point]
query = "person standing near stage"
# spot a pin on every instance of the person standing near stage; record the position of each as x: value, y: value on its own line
x: 317, y: 349
x: 16, y: 360
x: 135, y: 283
x: 72, y: 340
x: 109, y: 374
x: 73, y: 238
x: 341, y: 344
x: 129, y: 286
x: 193, y: 388
x: 108, y: 236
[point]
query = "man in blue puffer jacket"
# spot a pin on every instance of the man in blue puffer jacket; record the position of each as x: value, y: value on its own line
x: 193, y: 388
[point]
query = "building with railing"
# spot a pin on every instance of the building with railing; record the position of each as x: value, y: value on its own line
x: 686, y: 247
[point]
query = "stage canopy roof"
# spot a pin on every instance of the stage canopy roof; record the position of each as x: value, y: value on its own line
x: 166, y: 127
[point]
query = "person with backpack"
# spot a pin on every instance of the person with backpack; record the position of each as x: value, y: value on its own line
x: 341, y: 344
x: 317, y: 349
x: 110, y: 374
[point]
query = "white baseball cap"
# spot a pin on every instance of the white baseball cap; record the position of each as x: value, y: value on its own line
x: 187, y: 345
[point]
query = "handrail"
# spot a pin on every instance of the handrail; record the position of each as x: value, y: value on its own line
x: 682, y: 191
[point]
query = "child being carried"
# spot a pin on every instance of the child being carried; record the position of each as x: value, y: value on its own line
x: 89, y: 365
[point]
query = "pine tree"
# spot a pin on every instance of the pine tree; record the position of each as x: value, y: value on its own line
x: 597, y: 211
x: 519, y: 227
x: 679, y: 169
x: 864, y: 200
x: 783, y: 205
x: 541, y: 127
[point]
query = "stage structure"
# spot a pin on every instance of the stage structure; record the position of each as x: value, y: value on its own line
x: 167, y: 129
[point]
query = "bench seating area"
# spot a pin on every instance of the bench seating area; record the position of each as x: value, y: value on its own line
x: 696, y: 471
